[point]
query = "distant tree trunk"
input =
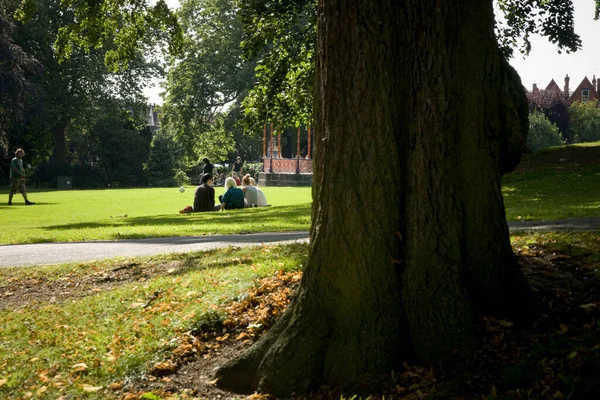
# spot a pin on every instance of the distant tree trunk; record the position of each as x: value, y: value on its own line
x: 419, y: 93
x: 60, y: 143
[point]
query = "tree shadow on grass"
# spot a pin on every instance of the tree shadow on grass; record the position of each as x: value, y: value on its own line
x: 5, y: 206
x: 230, y: 218
x: 192, y: 263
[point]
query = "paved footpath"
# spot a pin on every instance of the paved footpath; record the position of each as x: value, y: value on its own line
x: 57, y: 253
x: 559, y: 225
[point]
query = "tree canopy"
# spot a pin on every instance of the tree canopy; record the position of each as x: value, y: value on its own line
x: 124, y: 23
x: 282, y: 35
x: 279, y: 35
x: 207, y: 76
x: 15, y: 68
x: 69, y: 102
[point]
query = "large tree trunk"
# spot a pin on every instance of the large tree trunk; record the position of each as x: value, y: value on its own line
x: 399, y: 266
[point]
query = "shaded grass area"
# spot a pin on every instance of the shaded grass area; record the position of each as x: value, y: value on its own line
x: 557, y: 183
x: 121, y: 319
x: 81, y: 335
x: 68, y: 216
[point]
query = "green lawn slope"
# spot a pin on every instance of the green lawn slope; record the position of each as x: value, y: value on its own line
x: 559, y: 182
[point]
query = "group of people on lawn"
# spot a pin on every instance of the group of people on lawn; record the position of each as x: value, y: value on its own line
x: 249, y: 195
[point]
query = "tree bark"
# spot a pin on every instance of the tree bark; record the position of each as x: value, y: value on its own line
x: 59, y: 152
x: 417, y: 94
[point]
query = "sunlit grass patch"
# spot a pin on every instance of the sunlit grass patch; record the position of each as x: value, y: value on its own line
x: 583, y: 245
x: 84, y: 215
x: 558, y: 183
x: 79, y: 347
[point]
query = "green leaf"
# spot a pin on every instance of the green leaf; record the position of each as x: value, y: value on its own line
x: 151, y: 396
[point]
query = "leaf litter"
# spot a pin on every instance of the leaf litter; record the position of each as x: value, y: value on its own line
x: 557, y: 357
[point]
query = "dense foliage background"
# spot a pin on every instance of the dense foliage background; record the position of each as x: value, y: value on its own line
x: 75, y: 101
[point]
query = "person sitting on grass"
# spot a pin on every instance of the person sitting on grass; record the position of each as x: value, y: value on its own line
x: 204, y: 197
x: 261, y: 199
x: 233, y: 197
x: 250, y: 192
x: 236, y: 179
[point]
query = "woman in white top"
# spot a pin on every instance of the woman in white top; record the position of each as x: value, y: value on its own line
x: 261, y: 199
x: 250, y: 192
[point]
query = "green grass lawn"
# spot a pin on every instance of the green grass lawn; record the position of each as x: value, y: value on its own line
x: 78, y: 343
x: 80, y: 215
x: 90, y: 326
x: 559, y: 182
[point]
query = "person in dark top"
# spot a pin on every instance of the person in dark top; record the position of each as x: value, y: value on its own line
x: 204, y: 197
x: 238, y: 166
x: 208, y: 166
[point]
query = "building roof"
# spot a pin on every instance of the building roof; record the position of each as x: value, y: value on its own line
x: 553, y: 86
x: 585, y: 84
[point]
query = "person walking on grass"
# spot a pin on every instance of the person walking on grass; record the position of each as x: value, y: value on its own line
x: 233, y: 197
x: 208, y: 168
x: 238, y: 167
x: 17, y: 178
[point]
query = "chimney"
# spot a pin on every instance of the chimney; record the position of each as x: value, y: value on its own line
x: 535, y: 88
x: 594, y: 82
x: 567, y: 86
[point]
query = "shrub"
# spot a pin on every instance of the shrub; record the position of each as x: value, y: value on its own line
x: 253, y: 168
x: 181, y: 178
x: 555, y: 106
x: 542, y: 132
x: 585, y: 121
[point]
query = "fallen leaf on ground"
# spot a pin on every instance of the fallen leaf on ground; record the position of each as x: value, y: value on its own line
x: 41, y: 390
x: 79, y: 367
x: 90, y: 388
x: 563, y: 329
x: 589, y: 307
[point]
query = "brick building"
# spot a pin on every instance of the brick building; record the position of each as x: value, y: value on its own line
x: 584, y: 92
